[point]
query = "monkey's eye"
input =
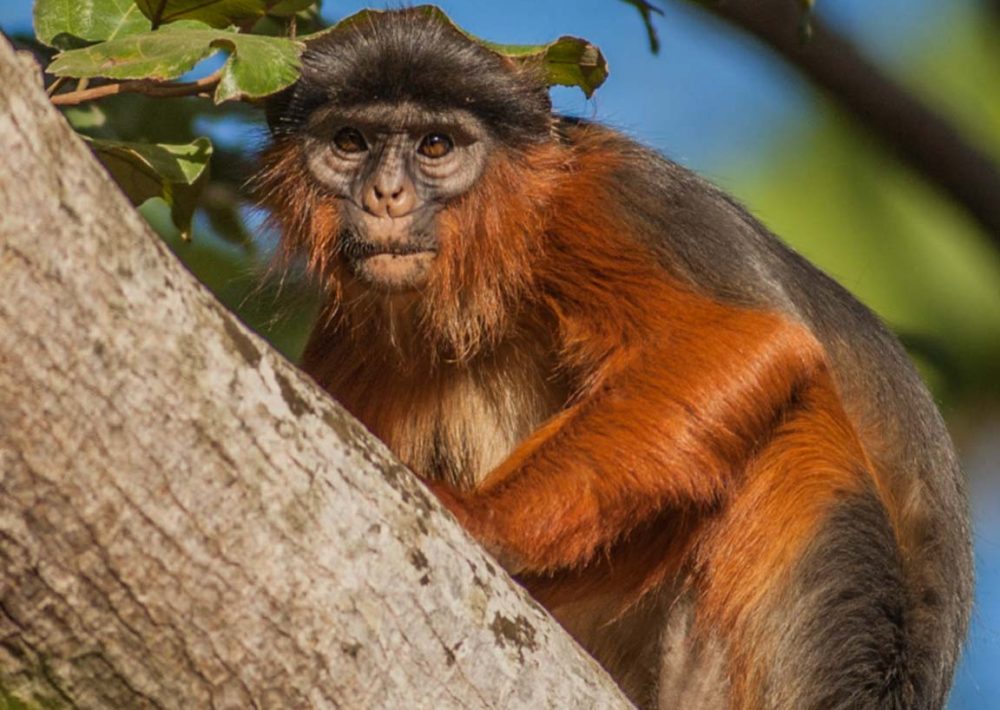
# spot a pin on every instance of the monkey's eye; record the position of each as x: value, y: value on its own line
x: 435, y: 145
x: 350, y: 140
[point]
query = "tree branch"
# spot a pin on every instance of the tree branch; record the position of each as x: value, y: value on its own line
x: 140, y: 86
x: 919, y: 136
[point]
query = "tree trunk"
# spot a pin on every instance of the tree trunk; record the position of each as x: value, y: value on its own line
x: 185, y: 519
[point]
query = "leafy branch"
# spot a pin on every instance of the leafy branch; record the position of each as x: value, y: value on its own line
x: 147, y: 47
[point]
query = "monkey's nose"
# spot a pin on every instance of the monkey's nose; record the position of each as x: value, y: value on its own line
x: 389, y: 200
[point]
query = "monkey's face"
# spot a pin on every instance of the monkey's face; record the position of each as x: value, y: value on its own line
x: 409, y: 167
x: 391, y: 169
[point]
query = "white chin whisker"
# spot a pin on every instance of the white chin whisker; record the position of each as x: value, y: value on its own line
x: 394, y: 271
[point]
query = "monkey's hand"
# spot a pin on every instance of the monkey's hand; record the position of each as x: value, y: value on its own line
x: 477, y: 521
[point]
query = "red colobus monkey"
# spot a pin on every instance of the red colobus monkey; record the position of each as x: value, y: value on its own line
x: 715, y: 467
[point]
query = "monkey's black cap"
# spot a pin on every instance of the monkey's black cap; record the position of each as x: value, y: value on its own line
x: 407, y: 55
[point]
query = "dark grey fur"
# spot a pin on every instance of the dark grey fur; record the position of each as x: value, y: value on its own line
x: 843, y: 641
x: 405, y: 57
x: 854, y: 592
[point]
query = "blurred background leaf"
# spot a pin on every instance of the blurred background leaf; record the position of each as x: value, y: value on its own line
x: 174, y: 173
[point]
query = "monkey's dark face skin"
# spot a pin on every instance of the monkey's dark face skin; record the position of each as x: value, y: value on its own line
x: 391, y: 169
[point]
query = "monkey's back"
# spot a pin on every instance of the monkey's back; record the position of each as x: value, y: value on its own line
x: 707, y: 240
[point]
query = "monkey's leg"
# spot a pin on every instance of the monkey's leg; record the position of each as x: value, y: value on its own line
x: 800, y: 578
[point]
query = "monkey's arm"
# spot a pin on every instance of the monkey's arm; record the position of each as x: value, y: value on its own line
x: 661, y: 426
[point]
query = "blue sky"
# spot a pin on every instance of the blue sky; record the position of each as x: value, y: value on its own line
x: 713, y: 104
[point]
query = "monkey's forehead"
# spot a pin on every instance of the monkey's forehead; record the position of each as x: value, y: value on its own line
x: 400, y: 117
x: 405, y: 58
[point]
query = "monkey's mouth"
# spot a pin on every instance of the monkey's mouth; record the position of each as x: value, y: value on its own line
x: 359, y: 251
x: 391, y: 267
x: 389, y: 254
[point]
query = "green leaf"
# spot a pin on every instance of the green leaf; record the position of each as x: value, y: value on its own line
x: 287, y: 8
x: 216, y: 13
x: 164, y: 54
x: 221, y: 204
x: 69, y: 24
x: 569, y: 61
x: 307, y: 22
x: 86, y: 117
x: 175, y: 173
x: 257, y: 65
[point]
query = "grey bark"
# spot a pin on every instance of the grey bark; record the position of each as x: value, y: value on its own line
x: 186, y: 520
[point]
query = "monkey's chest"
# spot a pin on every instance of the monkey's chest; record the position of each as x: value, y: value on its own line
x: 460, y: 424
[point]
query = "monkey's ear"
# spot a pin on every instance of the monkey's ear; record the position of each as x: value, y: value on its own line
x: 276, y: 110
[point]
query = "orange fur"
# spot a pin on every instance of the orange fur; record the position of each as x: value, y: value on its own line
x: 308, y: 219
x: 812, y: 460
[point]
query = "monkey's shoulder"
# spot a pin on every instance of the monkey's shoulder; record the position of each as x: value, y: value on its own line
x: 706, y: 239
x: 698, y: 232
